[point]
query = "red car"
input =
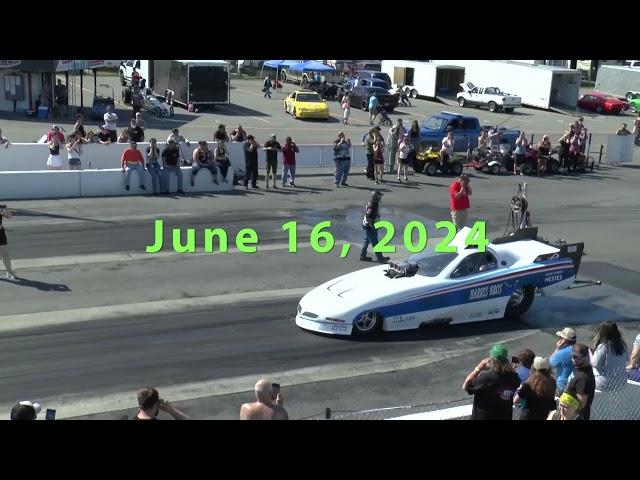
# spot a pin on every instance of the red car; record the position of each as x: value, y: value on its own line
x: 601, y: 102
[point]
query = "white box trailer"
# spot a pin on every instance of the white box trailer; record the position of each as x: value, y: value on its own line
x: 541, y: 86
x: 423, y: 78
x: 618, y: 80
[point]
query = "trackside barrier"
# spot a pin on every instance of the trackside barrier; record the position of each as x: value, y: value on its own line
x: 24, y: 157
x: 92, y: 183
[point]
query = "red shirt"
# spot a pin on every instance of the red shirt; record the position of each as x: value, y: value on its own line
x: 60, y: 136
x: 460, y: 203
x: 288, y: 155
x: 131, y: 156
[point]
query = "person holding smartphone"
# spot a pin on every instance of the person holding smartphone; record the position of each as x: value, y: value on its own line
x: 268, y: 404
x: 4, y: 251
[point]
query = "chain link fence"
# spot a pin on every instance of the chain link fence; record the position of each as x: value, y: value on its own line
x: 620, y: 404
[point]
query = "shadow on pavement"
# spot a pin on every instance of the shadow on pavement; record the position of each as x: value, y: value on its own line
x: 43, y: 286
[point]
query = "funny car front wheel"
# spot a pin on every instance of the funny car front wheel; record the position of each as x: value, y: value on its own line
x: 519, y: 302
x: 368, y: 323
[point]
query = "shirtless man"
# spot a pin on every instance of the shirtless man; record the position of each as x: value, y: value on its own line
x: 264, y: 408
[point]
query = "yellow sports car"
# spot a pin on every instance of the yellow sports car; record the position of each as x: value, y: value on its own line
x: 304, y: 104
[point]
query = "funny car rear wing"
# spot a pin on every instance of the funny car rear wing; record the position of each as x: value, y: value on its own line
x: 574, y: 251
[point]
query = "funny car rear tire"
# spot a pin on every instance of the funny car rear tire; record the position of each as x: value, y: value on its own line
x: 368, y: 323
x: 519, y: 302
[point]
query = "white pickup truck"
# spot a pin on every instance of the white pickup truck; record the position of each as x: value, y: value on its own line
x: 491, y: 97
x: 126, y: 69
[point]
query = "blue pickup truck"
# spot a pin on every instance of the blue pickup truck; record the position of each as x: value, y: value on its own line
x: 466, y: 130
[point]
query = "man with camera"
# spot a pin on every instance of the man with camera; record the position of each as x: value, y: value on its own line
x: 264, y: 407
x: 459, y: 204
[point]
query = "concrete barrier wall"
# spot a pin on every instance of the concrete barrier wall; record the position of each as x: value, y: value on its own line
x: 95, y: 183
x: 43, y: 184
x: 22, y: 157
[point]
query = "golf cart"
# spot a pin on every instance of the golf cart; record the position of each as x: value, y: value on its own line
x: 101, y: 102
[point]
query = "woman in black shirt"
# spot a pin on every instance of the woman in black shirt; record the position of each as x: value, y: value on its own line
x: 536, y: 397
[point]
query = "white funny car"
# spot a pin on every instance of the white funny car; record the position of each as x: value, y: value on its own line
x: 491, y: 97
x: 431, y: 288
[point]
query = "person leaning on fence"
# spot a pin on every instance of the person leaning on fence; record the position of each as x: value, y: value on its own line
x: 610, y: 357
x: 130, y: 160
x: 568, y: 407
x: 493, y: 384
x: 342, y: 159
x: 581, y: 384
x: 171, y: 163
x: 536, y: 397
x: 561, y: 357
x: 74, y: 150
x: 153, y: 166
x: 202, y: 158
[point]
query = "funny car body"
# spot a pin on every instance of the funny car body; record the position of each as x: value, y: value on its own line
x: 450, y: 288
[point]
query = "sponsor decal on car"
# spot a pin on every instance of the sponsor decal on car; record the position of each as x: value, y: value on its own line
x: 485, y: 292
x: 553, y: 277
x: 403, y: 318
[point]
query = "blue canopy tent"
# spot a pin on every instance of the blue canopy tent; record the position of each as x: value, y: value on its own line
x: 311, y: 65
x: 278, y: 64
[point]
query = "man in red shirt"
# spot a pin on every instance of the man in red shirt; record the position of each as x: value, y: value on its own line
x: 132, y: 159
x: 459, y: 192
x: 289, y: 150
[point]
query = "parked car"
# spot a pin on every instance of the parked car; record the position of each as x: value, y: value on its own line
x: 372, y: 74
x: 491, y: 97
x: 634, y: 102
x: 305, y: 104
x: 360, y: 98
x: 366, y: 82
x: 602, y: 103
x: 157, y: 105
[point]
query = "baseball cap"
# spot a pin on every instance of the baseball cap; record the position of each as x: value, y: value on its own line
x: 541, y: 363
x: 567, y: 333
x: 25, y: 410
x: 499, y: 352
x: 273, y: 135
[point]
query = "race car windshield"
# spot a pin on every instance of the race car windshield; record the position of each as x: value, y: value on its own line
x: 431, y: 263
x: 434, y: 123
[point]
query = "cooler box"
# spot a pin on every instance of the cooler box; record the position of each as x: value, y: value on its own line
x: 43, y: 112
